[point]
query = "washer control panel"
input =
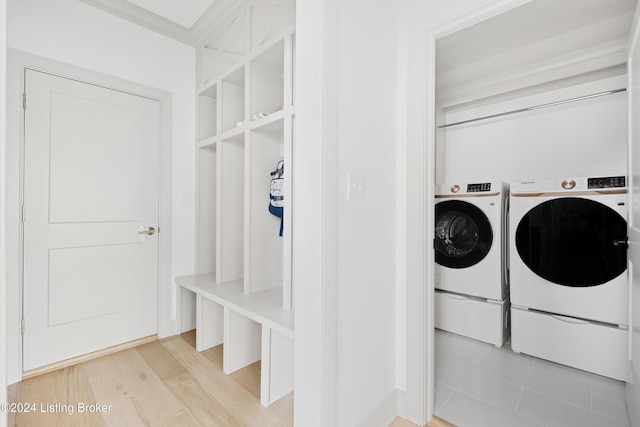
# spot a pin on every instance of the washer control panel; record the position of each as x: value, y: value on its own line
x: 607, y: 182
x: 478, y: 188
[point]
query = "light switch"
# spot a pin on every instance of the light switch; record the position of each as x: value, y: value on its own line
x: 355, y: 187
x: 188, y: 198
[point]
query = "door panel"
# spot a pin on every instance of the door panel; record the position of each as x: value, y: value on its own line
x: 112, y: 271
x: 90, y: 183
x: 105, y: 192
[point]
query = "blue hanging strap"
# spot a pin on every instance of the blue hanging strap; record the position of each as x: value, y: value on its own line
x: 276, y: 194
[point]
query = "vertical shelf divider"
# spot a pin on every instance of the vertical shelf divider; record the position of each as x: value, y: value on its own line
x: 287, y: 251
x: 247, y: 212
x: 219, y: 192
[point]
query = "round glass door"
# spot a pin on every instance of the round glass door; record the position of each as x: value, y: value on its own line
x: 569, y: 241
x: 463, y: 234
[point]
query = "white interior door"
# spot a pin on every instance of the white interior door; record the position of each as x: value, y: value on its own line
x: 90, y: 187
x: 633, y: 377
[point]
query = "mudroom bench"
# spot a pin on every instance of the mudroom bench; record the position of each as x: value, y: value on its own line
x: 252, y: 327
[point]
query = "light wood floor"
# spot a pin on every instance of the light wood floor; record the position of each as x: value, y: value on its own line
x: 162, y: 383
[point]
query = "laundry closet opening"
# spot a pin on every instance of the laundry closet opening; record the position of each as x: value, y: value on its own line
x: 531, y: 114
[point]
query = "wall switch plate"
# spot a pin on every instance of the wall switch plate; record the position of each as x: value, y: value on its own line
x: 188, y: 198
x: 355, y: 186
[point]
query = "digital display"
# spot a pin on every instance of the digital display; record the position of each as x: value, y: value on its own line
x: 476, y: 188
x: 607, y: 182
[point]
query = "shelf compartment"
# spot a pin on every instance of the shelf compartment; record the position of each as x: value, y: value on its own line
x: 267, y: 81
x: 242, y: 341
x: 209, y: 323
x: 276, y: 366
x: 206, y: 213
x: 233, y: 100
x: 265, y: 268
x: 207, y: 112
x: 232, y: 205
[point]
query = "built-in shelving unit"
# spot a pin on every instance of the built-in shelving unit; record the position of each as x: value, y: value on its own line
x: 242, y: 287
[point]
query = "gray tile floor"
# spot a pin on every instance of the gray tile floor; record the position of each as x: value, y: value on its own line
x: 480, y: 385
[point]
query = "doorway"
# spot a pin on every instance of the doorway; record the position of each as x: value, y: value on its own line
x: 457, y: 96
x: 17, y: 64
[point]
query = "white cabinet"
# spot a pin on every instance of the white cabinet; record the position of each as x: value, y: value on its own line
x: 242, y: 286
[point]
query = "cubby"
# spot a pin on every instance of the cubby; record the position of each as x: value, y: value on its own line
x: 233, y: 100
x: 265, y: 244
x: 231, y: 209
x: 241, y: 295
x: 207, y: 109
x: 206, y: 213
x: 267, y: 82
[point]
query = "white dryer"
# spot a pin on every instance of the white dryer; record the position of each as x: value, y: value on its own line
x: 471, y: 277
x: 569, y: 284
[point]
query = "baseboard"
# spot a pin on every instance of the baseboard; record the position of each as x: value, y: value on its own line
x: 384, y: 413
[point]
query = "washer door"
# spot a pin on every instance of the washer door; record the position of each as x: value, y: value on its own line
x: 569, y: 241
x: 463, y: 235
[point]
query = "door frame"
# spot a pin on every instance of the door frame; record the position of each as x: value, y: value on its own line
x: 417, y: 398
x: 17, y: 63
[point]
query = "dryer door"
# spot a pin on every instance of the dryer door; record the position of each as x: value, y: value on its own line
x: 570, y: 241
x: 463, y: 235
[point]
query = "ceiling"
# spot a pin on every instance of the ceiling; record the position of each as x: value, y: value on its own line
x: 537, y: 33
x: 183, y: 12
x: 188, y: 21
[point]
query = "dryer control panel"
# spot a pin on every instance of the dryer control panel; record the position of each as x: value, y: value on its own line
x: 607, y: 182
x: 477, y: 188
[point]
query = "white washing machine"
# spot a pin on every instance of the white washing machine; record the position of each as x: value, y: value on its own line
x: 471, y: 277
x: 568, y: 262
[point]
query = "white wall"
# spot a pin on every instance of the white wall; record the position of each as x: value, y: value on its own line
x: 583, y: 138
x: 357, y: 305
x: 366, y: 139
x: 80, y: 35
x: 3, y: 340
x: 344, y: 250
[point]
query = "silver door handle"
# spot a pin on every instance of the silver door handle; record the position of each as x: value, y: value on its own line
x: 621, y: 242
x: 149, y: 231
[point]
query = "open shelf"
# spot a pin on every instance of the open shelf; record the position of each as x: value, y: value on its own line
x: 242, y: 292
x: 232, y: 209
x: 233, y: 100
x: 263, y: 307
x: 267, y: 82
x: 265, y: 244
x: 207, y: 210
x: 207, y: 112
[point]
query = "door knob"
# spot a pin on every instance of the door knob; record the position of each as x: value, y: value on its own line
x: 149, y: 231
